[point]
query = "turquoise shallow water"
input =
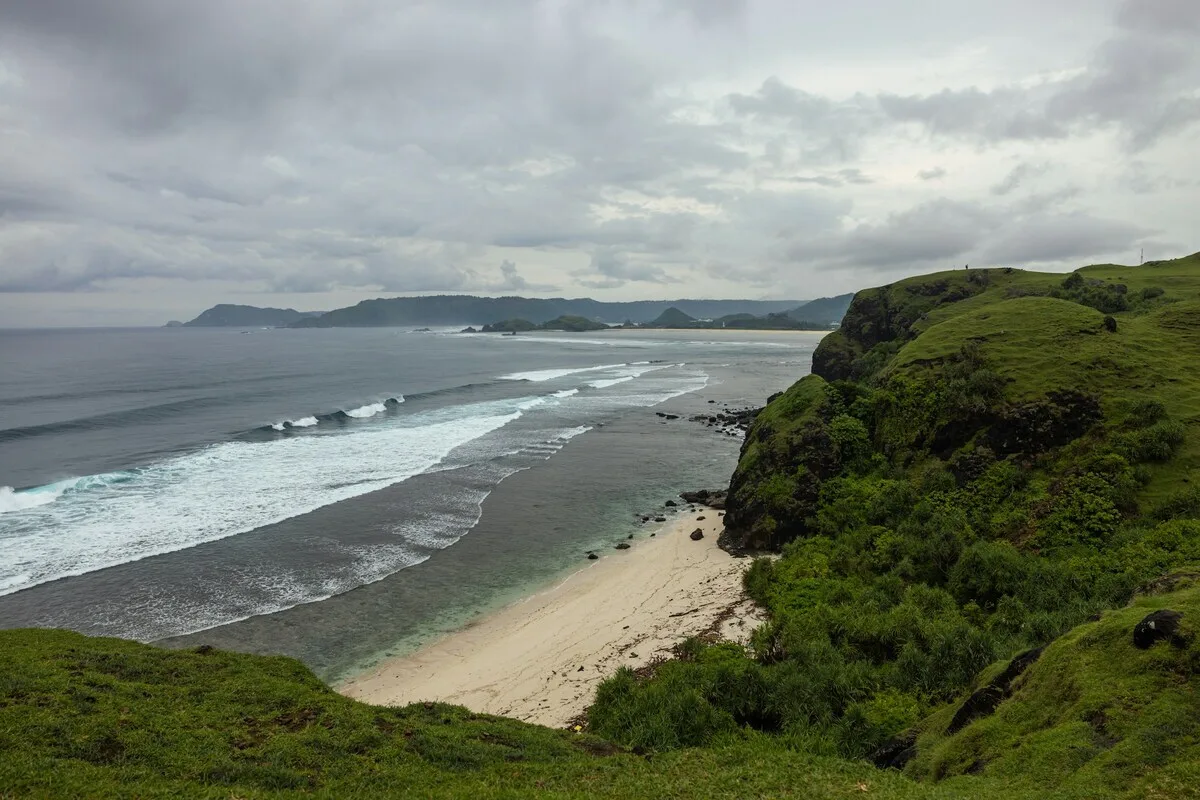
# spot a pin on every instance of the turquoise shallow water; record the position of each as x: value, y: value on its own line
x: 239, y: 522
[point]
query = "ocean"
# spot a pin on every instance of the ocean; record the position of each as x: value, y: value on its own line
x: 342, y: 495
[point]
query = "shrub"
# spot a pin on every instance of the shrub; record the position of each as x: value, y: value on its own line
x: 1157, y: 442
x: 986, y: 573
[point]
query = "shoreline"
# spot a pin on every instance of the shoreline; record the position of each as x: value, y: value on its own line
x: 540, y: 659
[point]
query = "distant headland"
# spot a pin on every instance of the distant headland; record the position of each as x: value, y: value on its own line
x: 493, y: 311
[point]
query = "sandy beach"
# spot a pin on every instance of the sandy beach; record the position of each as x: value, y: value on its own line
x: 540, y: 659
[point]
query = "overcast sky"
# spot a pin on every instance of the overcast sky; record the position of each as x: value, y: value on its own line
x: 159, y: 156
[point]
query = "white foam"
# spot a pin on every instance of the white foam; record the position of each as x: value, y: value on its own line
x: 19, y: 501
x: 367, y: 411
x: 566, y: 393
x: 11, y: 500
x: 543, y: 375
x: 224, y: 490
x: 604, y: 384
x: 304, y: 422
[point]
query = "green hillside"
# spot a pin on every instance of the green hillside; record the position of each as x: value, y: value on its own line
x: 981, y: 463
x: 974, y: 502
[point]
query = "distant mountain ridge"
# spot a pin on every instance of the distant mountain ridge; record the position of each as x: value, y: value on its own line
x: 472, y: 310
x: 226, y: 315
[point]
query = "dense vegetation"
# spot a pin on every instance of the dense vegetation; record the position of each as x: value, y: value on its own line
x: 980, y: 463
x: 983, y: 488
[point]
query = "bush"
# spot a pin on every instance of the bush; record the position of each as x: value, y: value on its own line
x: 1157, y: 442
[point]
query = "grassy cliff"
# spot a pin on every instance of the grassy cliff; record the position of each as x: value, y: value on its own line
x: 981, y: 463
x: 982, y: 490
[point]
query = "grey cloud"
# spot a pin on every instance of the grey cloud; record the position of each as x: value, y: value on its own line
x: 1160, y: 16
x: 1062, y: 237
x: 945, y: 234
x: 840, y: 178
x: 369, y: 146
x: 1017, y: 176
x: 615, y: 268
x: 511, y: 280
x: 931, y: 232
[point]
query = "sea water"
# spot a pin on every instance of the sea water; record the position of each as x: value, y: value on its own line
x: 337, y: 494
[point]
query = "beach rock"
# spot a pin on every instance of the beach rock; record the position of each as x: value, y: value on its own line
x: 670, y: 416
x: 630, y: 536
x: 660, y: 519
x: 705, y: 497
x: 1157, y: 626
x: 653, y: 535
x: 700, y: 518
x: 697, y: 535
x: 712, y: 401
x: 592, y: 556
x: 622, y: 545
x: 670, y: 504
x: 579, y: 670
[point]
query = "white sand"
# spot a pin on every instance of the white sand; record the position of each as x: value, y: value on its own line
x: 628, y: 608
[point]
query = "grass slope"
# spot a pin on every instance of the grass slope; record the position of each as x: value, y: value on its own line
x: 85, y: 717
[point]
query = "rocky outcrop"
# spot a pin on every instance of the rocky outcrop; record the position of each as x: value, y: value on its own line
x: 1159, y: 626
x: 714, y: 499
x: 984, y: 701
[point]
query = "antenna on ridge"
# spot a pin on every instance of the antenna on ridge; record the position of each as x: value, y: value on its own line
x: 1142, y: 257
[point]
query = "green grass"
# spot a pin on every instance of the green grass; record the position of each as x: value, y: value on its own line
x: 1093, y: 713
x: 85, y: 717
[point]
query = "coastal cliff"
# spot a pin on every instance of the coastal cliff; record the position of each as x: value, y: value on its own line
x: 983, y: 471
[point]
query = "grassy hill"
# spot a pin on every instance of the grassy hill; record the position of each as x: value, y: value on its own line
x: 982, y: 491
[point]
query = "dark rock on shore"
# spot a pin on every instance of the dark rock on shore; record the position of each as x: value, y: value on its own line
x: 622, y: 545
x: 697, y: 535
x: 731, y: 422
x: 670, y: 504
x: 714, y: 499
x: 1159, y: 626
x: 592, y: 556
x: 660, y: 519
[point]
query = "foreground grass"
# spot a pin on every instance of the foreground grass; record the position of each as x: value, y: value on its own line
x: 83, y: 717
